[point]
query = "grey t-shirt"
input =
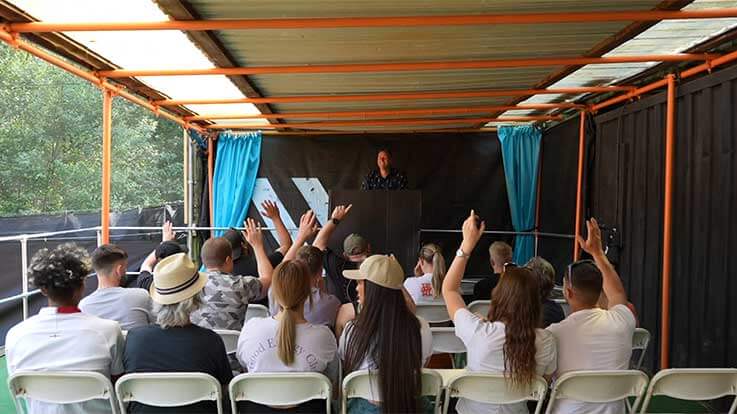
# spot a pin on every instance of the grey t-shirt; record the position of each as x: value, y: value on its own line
x: 130, y: 307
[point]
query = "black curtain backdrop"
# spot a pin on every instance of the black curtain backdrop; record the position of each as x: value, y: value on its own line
x: 626, y: 192
x: 455, y: 172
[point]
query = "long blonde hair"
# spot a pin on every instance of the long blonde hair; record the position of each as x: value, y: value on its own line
x: 431, y: 253
x: 292, y: 286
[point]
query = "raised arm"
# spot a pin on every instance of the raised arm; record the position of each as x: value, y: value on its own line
x: 307, y: 228
x: 612, y: 284
x: 321, y: 241
x: 452, y: 283
x: 256, y: 239
x: 167, y: 234
x: 271, y: 211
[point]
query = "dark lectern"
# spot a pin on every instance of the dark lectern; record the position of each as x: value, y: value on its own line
x: 389, y: 220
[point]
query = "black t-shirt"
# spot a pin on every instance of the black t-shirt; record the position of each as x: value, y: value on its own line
x: 482, y: 289
x: 143, y: 280
x: 180, y: 349
x: 337, y: 285
x: 247, y: 266
x: 552, y: 313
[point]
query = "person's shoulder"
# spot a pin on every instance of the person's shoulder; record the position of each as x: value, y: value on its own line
x: 137, y: 294
x: 544, y: 336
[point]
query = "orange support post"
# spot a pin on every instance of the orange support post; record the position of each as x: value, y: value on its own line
x: 398, y: 21
x: 211, y: 176
x: 670, y: 120
x: 579, y: 185
x: 107, y: 148
x: 407, y: 66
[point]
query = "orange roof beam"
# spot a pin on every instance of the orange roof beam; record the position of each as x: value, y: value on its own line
x: 408, y: 66
x: 390, y: 112
x: 400, y: 96
x: 399, y: 21
x: 389, y: 122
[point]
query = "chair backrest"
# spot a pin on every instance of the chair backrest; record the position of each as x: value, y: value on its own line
x: 256, y: 311
x: 444, y: 340
x: 640, y: 341
x: 433, y: 312
x: 599, y: 387
x: 694, y: 384
x: 564, y: 305
x: 480, y: 307
x: 493, y: 388
x: 359, y: 384
x: 230, y: 339
x: 61, y: 387
x: 168, y: 389
x: 282, y: 388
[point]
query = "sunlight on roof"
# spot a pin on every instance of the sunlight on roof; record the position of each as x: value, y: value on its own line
x: 168, y: 49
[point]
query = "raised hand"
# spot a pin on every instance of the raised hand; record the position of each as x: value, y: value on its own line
x: 254, y: 237
x: 592, y: 245
x: 167, y: 233
x: 472, y: 232
x: 307, y: 225
x: 270, y: 210
x: 341, y: 211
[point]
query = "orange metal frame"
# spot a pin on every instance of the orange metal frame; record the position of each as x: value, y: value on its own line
x: 107, y: 149
x: 579, y: 183
x: 667, y: 220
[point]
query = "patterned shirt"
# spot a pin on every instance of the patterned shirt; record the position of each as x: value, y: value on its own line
x: 225, y: 300
x: 394, y: 181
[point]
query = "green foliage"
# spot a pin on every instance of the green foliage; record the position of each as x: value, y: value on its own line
x: 51, y: 142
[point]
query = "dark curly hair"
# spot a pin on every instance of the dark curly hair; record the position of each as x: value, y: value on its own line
x: 61, y: 271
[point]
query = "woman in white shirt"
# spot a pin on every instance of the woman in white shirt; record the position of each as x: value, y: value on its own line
x: 386, y: 336
x: 429, y: 272
x: 287, y: 342
x: 507, y: 340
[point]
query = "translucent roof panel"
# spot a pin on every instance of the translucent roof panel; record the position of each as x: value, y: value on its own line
x: 168, y: 49
x: 666, y: 37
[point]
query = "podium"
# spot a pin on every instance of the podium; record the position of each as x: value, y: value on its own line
x: 389, y: 220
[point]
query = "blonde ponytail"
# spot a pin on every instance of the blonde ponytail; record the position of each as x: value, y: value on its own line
x: 431, y: 253
x: 292, y: 286
x: 285, y: 337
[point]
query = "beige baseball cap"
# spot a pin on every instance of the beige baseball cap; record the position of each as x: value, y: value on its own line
x: 383, y: 270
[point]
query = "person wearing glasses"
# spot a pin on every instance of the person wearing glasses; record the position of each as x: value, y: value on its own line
x: 591, y: 337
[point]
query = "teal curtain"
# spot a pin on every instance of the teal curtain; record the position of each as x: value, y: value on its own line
x: 236, y: 166
x: 521, y: 153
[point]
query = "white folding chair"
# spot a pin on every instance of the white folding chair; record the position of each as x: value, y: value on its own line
x: 599, y: 387
x: 256, y: 311
x: 60, y: 387
x: 230, y: 339
x: 640, y: 341
x: 280, y: 388
x: 445, y: 341
x: 359, y: 384
x: 433, y: 312
x: 168, y: 389
x: 493, y: 388
x: 479, y: 307
x: 694, y: 384
x: 564, y: 305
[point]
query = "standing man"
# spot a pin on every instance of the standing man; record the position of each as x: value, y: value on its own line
x: 384, y: 177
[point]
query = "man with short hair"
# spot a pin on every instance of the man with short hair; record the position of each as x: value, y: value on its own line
x: 499, y: 254
x: 385, y: 177
x: 592, y: 338
x: 226, y: 296
x: 130, y: 307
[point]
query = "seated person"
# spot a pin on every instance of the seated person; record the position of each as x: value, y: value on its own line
x: 429, y: 272
x: 287, y: 342
x: 508, y: 340
x: 60, y: 337
x: 226, y: 296
x: 166, y: 248
x: 321, y: 307
x: 173, y: 343
x: 130, y: 307
x: 552, y: 312
x: 386, y: 337
x: 499, y: 254
x: 592, y: 338
x: 244, y: 261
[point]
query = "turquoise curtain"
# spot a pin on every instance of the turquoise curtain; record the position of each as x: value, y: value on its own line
x: 521, y: 153
x: 236, y: 166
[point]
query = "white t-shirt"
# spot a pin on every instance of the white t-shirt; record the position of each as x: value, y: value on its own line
x: 420, y: 288
x: 52, y: 341
x: 425, y: 338
x: 323, y: 311
x: 117, y: 304
x: 594, y: 339
x: 258, y: 352
x: 485, y: 341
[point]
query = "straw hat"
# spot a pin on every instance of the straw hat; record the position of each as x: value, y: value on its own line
x: 383, y: 270
x: 176, y: 279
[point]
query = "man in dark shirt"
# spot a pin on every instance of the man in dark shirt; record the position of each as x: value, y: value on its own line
x: 499, y: 254
x: 384, y: 177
